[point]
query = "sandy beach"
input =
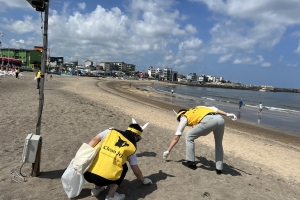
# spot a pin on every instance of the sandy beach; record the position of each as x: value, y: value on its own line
x: 260, y: 163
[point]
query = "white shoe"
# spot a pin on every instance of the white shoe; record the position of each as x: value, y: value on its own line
x: 117, y: 196
x: 95, y: 192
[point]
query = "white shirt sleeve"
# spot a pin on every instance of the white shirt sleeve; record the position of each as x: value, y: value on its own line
x: 103, y: 133
x: 213, y: 108
x: 132, y: 159
x: 182, y: 124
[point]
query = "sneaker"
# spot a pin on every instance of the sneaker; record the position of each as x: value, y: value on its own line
x: 95, y: 192
x: 190, y: 164
x: 117, y: 196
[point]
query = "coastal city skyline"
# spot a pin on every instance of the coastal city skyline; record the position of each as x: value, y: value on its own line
x: 253, y: 42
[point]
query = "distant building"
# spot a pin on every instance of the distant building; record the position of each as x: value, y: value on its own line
x: 38, y: 48
x: 89, y: 63
x: 29, y: 58
x: 151, y: 72
x: 56, y: 61
x: 191, y: 77
x: 117, y: 66
x: 202, y: 78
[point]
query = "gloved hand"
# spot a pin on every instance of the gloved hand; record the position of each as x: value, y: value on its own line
x: 166, y: 154
x: 231, y: 115
x: 147, y: 181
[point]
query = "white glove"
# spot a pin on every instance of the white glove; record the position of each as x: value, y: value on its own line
x: 147, y: 181
x: 231, y: 115
x: 166, y: 154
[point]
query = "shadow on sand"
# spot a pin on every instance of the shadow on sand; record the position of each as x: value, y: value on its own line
x: 132, y: 189
x: 211, y: 166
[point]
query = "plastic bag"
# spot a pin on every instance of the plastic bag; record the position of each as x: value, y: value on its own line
x: 34, y: 78
x: 72, y: 182
x: 84, y: 158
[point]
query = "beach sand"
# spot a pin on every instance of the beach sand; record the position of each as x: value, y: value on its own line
x: 259, y: 163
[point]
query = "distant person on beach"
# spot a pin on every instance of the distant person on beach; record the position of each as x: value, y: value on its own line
x: 204, y: 120
x: 38, y: 78
x: 109, y: 166
x: 241, y: 103
x: 260, y: 107
x: 17, y: 72
x: 172, y: 91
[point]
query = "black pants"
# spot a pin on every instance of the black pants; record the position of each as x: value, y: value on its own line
x: 38, y: 80
x: 100, y: 181
x: 17, y: 75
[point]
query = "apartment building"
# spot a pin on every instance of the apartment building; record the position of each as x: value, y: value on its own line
x: 117, y: 66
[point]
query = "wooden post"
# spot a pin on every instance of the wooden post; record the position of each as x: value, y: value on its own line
x: 36, y: 165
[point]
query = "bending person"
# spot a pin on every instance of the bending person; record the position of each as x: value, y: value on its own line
x: 204, y: 120
x: 109, y: 166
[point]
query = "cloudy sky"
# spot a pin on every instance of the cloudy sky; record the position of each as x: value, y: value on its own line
x: 253, y: 42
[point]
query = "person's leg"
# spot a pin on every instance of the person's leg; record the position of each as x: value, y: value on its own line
x: 218, y: 134
x: 113, y: 187
x: 206, y: 126
x: 38, y: 83
x: 98, y: 182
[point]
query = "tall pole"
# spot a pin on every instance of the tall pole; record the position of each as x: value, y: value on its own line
x: 49, y: 59
x: 44, y: 59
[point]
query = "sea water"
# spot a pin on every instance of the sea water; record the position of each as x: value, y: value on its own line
x: 281, y: 110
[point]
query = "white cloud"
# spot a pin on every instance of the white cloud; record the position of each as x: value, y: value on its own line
x: 191, y: 29
x: 246, y: 25
x: 225, y: 58
x: 266, y: 64
x: 258, y: 10
x: 23, y: 4
x: 168, y: 57
x: 281, y: 58
x: 25, y: 26
x: 81, y: 6
x: 298, y: 49
x: 292, y: 65
x: 192, y: 43
x: 260, y: 59
x: 296, y: 34
x: 242, y: 61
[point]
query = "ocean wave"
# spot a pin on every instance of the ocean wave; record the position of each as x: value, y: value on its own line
x: 283, y: 110
x: 208, y: 101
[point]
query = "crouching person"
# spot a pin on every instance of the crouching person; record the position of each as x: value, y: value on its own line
x: 109, y: 166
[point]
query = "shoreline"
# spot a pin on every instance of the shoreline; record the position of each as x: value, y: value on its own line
x: 239, y: 126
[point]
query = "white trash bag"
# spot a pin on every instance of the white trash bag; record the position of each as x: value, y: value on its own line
x: 72, y: 182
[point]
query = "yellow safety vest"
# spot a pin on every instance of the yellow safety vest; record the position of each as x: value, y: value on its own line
x: 38, y: 75
x: 114, y: 151
x: 196, y: 114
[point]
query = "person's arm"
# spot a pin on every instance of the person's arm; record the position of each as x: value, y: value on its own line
x: 137, y: 172
x: 174, y: 142
x: 231, y: 115
x: 95, y: 140
x: 221, y: 112
x: 180, y: 129
x: 98, y: 138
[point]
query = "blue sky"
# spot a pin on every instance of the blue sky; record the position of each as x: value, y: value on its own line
x: 253, y: 42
